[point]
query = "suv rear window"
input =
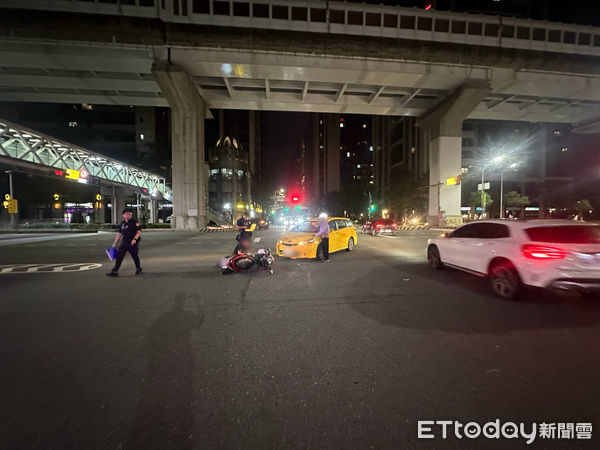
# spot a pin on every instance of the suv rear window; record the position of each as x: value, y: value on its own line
x: 567, y: 234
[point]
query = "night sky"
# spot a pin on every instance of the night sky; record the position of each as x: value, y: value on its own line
x: 282, y: 137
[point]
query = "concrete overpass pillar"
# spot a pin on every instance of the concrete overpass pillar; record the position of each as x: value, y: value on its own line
x: 119, y: 198
x: 442, y: 140
x: 190, y: 171
x: 152, y: 211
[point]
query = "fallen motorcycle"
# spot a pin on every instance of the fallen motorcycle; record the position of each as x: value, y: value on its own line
x: 245, y: 261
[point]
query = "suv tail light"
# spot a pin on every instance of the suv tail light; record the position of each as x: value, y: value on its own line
x: 543, y: 252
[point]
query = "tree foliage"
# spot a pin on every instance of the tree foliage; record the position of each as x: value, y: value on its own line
x: 404, y: 195
x: 475, y: 199
x: 582, y: 206
x: 513, y: 198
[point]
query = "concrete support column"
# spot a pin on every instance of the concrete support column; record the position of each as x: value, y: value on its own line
x: 99, y: 206
x: 445, y: 152
x: 190, y: 171
x: 152, y: 210
x: 442, y: 141
x: 118, y: 205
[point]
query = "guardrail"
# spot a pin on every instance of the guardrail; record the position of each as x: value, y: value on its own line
x: 336, y: 17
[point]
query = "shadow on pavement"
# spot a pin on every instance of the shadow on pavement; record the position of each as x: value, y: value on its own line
x: 453, y: 301
x: 165, y: 408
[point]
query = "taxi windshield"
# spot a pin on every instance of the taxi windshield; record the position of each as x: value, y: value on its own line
x: 306, y: 227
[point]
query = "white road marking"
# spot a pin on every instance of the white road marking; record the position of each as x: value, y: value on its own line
x: 48, y: 237
x: 257, y: 239
x: 56, y: 267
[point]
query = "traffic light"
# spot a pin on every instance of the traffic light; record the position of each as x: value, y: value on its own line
x: 298, y: 208
x: 286, y: 209
x: 56, y: 197
x: 13, y: 206
x: 372, y: 208
x: 295, y: 198
x: 452, y: 181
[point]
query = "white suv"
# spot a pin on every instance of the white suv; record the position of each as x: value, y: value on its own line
x: 550, y: 254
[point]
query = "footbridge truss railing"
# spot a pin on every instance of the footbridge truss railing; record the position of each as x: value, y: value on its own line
x: 73, y: 162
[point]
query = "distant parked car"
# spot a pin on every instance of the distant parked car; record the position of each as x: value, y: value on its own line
x: 380, y: 226
x: 263, y: 224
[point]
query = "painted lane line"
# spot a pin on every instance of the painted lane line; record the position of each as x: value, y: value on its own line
x: 56, y: 267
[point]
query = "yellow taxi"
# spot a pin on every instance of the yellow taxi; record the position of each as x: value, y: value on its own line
x: 300, y: 240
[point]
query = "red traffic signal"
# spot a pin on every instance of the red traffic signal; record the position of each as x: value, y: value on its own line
x: 295, y: 198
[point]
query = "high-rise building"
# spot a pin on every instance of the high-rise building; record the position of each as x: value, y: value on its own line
x: 323, y: 166
x: 340, y: 160
x: 532, y: 157
x: 235, y: 162
x: 396, y: 152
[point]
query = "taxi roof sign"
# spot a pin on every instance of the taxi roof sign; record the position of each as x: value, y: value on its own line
x: 452, y: 181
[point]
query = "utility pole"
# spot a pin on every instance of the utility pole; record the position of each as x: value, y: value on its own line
x: 501, y: 192
x: 10, y: 192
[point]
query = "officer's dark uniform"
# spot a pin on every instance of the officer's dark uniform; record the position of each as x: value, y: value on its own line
x: 128, y: 231
x: 244, y: 236
x: 244, y: 233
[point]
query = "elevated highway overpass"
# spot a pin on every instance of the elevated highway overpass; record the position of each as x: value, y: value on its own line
x: 299, y: 56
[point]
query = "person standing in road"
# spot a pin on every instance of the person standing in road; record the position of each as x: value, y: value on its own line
x: 129, y: 234
x: 242, y: 224
x: 323, y: 233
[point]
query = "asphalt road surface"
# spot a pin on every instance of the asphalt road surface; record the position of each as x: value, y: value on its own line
x: 346, y: 355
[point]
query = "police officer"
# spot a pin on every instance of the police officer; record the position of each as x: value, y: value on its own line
x: 243, y: 224
x: 129, y: 234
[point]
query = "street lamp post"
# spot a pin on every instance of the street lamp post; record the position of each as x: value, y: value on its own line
x: 494, y: 161
x: 501, y: 192
x: 482, y: 192
x: 512, y: 166
x: 482, y: 168
x: 10, y: 192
